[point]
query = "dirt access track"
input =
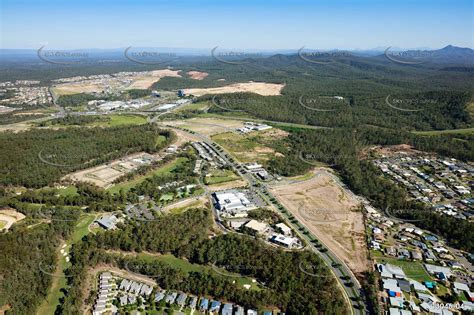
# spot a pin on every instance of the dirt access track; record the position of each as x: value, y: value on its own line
x: 328, y: 211
x: 261, y: 88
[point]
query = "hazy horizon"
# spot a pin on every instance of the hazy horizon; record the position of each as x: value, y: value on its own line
x: 245, y: 25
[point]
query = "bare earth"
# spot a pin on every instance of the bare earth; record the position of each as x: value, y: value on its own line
x: 197, y: 75
x: 261, y: 88
x: 103, y: 175
x: 10, y: 216
x: 195, y: 202
x: 207, y: 126
x: 325, y: 209
x: 146, y: 82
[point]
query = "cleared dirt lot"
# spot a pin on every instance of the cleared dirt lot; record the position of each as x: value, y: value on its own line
x: 146, y: 82
x: 103, y: 175
x: 8, y: 217
x: 326, y: 210
x: 261, y: 88
x: 207, y: 126
x: 197, y: 75
x: 194, y: 202
x: 251, y: 147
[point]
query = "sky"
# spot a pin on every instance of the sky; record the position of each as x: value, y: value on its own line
x: 242, y: 24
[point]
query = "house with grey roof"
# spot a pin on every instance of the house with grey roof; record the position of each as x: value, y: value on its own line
x: 192, y: 302
x: 171, y: 297
x: 239, y: 310
x: 125, y: 285
x: 181, y: 299
x: 135, y: 287
x: 227, y: 309
x: 108, y: 222
x: 123, y: 300
x: 146, y: 290
x: 132, y: 299
x: 159, y: 296
x: 215, y: 305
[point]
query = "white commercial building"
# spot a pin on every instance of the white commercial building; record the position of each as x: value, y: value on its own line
x: 232, y: 203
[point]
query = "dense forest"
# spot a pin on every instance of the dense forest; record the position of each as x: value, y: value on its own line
x: 186, y: 236
x: 38, y: 158
x: 28, y: 258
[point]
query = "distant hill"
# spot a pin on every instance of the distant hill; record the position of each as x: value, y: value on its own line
x: 449, y: 54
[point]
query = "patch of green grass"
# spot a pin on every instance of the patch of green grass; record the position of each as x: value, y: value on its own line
x: 59, y: 281
x: 470, y: 109
x: 187, y: 267
x: 220, y: 176
x: 450, y: 131
x: 166, y: 197
x: 2, y: 224
x: 160, y: 140
x: 413, y: 270
x: 194, y: 106
x: 82, y: 228
x: 120, y: 120
x: 166, y: 169
x: 68, y: 191
x: 244, y: 147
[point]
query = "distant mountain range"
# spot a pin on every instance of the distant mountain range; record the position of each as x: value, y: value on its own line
x: 449, y: 54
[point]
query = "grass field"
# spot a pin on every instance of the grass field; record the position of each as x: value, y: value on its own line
x: 120, y: 120
x: 160, y: 171
x: 187, y: 267
x: 59, y: 280
x: 64, y: 192
x: 246, y: 148
x: 194, y: 106
x: 220, y: 176
x: 450, y: 131
x: 414, y: 270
